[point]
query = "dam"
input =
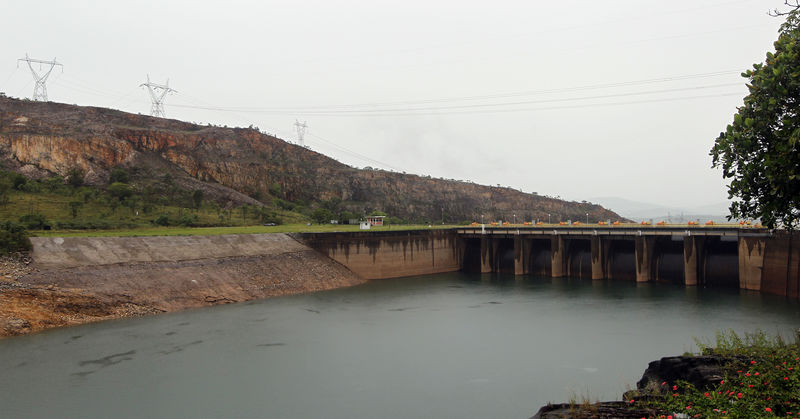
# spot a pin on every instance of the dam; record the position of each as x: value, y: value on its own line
x: 754, y: 259
x: 441, y: 339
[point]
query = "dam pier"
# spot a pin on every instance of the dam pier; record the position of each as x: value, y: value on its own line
x: 754, y: 259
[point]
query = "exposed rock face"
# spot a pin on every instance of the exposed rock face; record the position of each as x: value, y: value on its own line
x: 657, y: 380
x: 701, y: 371
x: 604, y: 410
x: 57, y: 137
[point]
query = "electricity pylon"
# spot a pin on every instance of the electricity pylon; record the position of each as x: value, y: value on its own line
x: 40, y: 89
x: 157, y: 94
x: 301, y: 131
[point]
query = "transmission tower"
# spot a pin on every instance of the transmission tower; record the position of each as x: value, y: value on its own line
x: 301, y: 131
x: 157, y: 94
x: 40, y: 90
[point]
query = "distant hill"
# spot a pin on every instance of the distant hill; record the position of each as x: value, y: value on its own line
x: 243, y: 165
x: 645, y: 211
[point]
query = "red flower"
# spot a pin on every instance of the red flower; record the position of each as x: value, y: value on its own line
x: 756, y: 373
x: 722, y: 382
x: 752, y: 362
x: 747, y: 375
x: 739, y: 395
x: 785, y: 378
x: 631, y: 401
x: 688, y: 407
x: 674, y: 388
x: 751, y: 386
x: 768, y: 410
x: 705, y: 394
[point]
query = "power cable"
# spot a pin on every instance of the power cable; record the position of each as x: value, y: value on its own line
x: 361, y: 112
x: 666, y: 79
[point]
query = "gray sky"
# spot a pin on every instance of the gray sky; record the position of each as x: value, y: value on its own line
x: 576, y: 99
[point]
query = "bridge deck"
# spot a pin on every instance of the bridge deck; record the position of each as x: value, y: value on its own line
x: 616, y: 231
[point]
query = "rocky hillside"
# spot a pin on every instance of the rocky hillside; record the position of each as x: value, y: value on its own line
x: 238, y: 165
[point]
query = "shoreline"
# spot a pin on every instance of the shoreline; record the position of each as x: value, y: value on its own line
x: 35, y: 298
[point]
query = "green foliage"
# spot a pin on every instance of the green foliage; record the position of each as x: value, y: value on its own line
x: 197, y: 198
x: 34, y: 221
x: 75, y: 176
x: 377, y: 213
x: 19, y: 181
x: 161, y: 220
x: 393, y: 221
x: 5, y: 188
x: 761, y: 379
x: 760, y: 151
x: 346, y: 216
x: 118, y: 174
x: 74, y: 206
x: 13, y: 238
x: 53, y: 184
x: 322, y: 215
x: 120, y: 190
x: 275, y: 190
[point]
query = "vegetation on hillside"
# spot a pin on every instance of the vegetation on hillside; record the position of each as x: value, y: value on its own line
x: 130, y: 200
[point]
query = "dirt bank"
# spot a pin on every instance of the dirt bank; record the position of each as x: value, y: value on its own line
x: 47, y: 295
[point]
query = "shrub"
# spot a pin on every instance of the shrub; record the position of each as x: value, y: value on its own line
x: 119, y: 174
x: 75, y: 176
x: 162, y: 220
x: 35, y: 221
x: 761, y: 379
x: 120, y: 190
x: 13, y: 238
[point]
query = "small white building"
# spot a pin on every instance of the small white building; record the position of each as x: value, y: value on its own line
x: 375, y: 220
x: 364, y: 225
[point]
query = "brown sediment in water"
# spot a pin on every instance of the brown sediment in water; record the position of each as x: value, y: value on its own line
x: 36, y: 299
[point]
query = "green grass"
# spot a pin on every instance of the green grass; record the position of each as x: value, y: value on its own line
x: 55, y: 207
x: 211, y: 231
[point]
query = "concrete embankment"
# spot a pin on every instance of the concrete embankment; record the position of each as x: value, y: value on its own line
x: 77, y: 280
x: 390, y: 254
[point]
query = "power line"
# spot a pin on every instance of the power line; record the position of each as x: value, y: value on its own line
x: 300, y: 109
x: 485, y: 107
x: 353, y: 153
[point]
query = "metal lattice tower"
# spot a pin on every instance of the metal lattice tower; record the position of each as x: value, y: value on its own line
x: 301, y: 131
x: 40, y: 90
x: 157, y: 94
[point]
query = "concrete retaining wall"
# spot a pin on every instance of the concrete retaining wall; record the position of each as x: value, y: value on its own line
x: 379, y: 255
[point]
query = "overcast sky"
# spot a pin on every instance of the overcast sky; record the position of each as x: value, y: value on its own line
x: 576, y: 99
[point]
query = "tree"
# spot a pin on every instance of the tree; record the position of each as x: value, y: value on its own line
x: 120, y: 190
x: 760, y: 151
x: 118, y: 174
x: 75, y: 176
x: 322, y: 215
x: 197, y: 198
x: 74, y: 206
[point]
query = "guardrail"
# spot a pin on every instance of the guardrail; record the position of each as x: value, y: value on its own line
x: 628, y: 230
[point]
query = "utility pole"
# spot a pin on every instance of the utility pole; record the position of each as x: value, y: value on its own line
x: 40, y: 89
x: 157, y: 94
x: 301, y: 131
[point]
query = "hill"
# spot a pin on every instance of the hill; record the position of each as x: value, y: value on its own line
x: 235, y: 166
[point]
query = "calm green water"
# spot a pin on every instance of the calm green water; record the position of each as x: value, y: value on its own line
x: 443, y: 346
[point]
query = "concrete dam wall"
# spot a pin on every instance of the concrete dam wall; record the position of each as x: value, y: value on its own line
x: 390, y: 254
